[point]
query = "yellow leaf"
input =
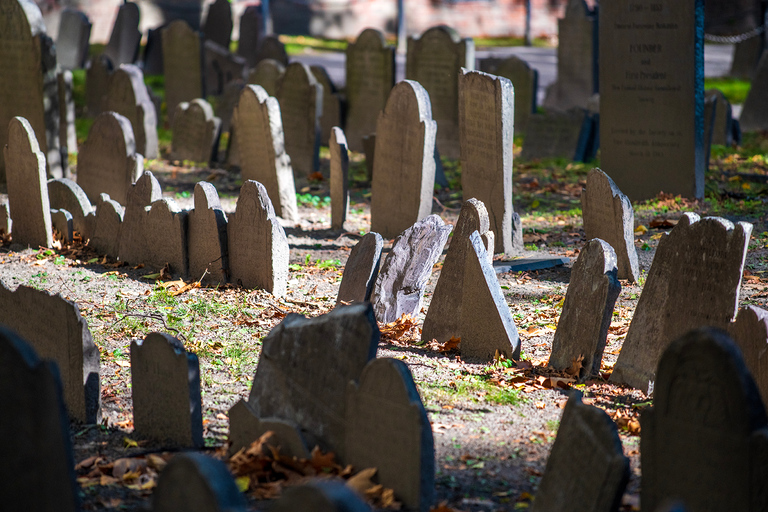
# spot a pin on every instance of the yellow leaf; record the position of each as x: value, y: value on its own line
x: 243, y: 482
x: 640, y: 230
x: 156, y: 275
x: 535, y: 203
x: 129, y: 443
x: 124, y: 364
x: 746, y: 186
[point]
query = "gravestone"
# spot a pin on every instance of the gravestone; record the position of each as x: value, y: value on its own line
x: 707, y: 416
x: 97, y: 76
x: 608, y: 215
x: 722, y: 125
x: 225, y: 106
x: 132, y: 239
x: 388, y: 429
x: 247, y: 428
x: 331, y: 114
x: 750, y: 332
x: 711, y: 106
x: 406, y: 269
x: 105, y: 226
x: 108, y: 162
x: 73, y: 41
x: 40, y: 456
x: 221, y: 67
x: 486, y: 133
x: 577, y: 51
x: 63, y: 337
x: 328, y: 496
x: 361, y: 270
x: 369, y: 146
x: 435, y: 60
x: 339, y: 178
x: 588, y: 435
x: 165, y: 237
x: 195, y: 132
x: 404, y: 176
x: 123, y: 45
x: 746, y: 56
x: 525, y: 80
x: 559, y: 135
x: 754, y: 113
x: 267, y: 74
x: 165, y: 388
x: 182, y: 65
x: 587, y: 311
x: 269, y: 47
x: 694, y: 281
x: 127, y: 95
x: 301, y: 106
x: 195, y: 482
x: 305, y: 367
x: 218, y: 23
x: 65, y: 194
x: 207, y: 237
x: 55, y: 153
x: 153, y: 51
x: 257, y: 122
x: 27, y: 190
x: 651, y: 61
x: 258, y: 247
x: 251, y: 31
x: 67, y: 131
x: 5, y: 219
x: 61, y: 221
x: 370, y: 66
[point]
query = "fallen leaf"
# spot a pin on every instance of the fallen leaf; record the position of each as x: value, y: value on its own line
x: 361, y: 482
x: 641, y: 230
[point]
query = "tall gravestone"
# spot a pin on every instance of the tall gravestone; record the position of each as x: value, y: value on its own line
x: 694, y: 281
x: 132, y: 246
x: 339, y: 178
x: 435, y: 60
x: 652, y: 60
x: 127, y: 95
x: 207, y: 237
x: 750, y: 332
x: 74, y: 39
x: 97, y: 76
x: 153, y: 51
x: 182, y: 65
x: 370, y: 63
x: 123, y: 45
x: 525, y: 80
x: 251, y: 31
x: 361, y: 270
x: 404, y: 176
x: 218, y: 23
x: 331, y: 114
x: 267, y: 74
x: 195, y: 132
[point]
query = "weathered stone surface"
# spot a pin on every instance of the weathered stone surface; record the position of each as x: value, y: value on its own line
x: 339, y: 178
x: 40, y: 456
x: 105, y: 226
x: 55, y: 153
x: 722, y: 125
x: 207, y: 237
x: 331, y: 112
x: 5, y: 219
x: 694, y: 281
x: 246, y: 427
x: 267, y: 74
x: 218, y: 23
x: 97, y: 77
x: 195, y: 132
x: 165, y: 236
x: 327, y: 496
x: 123, y: 45
x: 361, y: 270
x: 754, y: 114
x: 61, y: 221
x: 750, y: 332
x: 221, y: 67
x: 558, y: 135
x: 404, y: 176
x: 67, y: 131
x: 587, y: 437
x: 525, y: 80
x: 435, y: 60
x: 258, y: 247
x: 182, y: 65
x: 73, y: 40
x: 128, y: 96
x: 132, y: 240
x: 66, y: 194
x: 587, y: 311
x: 153, y: 51
x: 27, y: 190
x: 251, y: 31
x: 406, y: 269
x: 369, y: 147
x: 705, y: 438
x: 225, y: 106
x: 388, y: 429
x: 62, y: 337
x: 608, y: 215
x: 746, y: 56
x: 108, y: 162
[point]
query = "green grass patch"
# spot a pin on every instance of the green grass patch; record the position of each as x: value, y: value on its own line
x: 732, y: 88
x: 297, y: 44
x: 313, y: 200
x: 487, y: 42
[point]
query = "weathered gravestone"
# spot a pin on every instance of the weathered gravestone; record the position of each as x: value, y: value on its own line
x: 705, y: 438
x: 711, y: 107
x: 404, y: 176
x: 435, y: 60
x: 608, y: 215
x: 588, y: 435
x: 182, y: 65
x: 67, y: 131
x: 328, y: 496
x: 221, y: 67
x: 370, y: 66
x: 108, y: 162
x: 651, y: 60
x: 105, y: 226
x: 207, y: 237
x: 301, y: 106
x: 361, y: 270
x: 525, y: 80
x: 128, y: 96
x: 40, y: 455
x: 305, y: 367
x: 339, y: 178
x: 246, y: 428
x: 225, y: 106
x: 267, y: 74
x: 486, y: 116
x: 65, y: 194
x: 746, y: 57
x: 754, y: 114
x: 165, y: 236
x: 61, y: 221
x: 73, y: 41
x: 750, y: 332
x: 62, y: 337
x: 406, y: 269
x: 132, y: 239
x: 257, y: 122
x: 559, y: 135
x: 331, y: 112
x: 165, y: 388
x: 269, y: 47
x: 723, y: 123
x: 251, y: 31
x: 194, y: 482
x: 152, y: 59
x: 218, y: 23
x: 195, y: 132
x: 123, y: 45
x: 27, y: 190
x: 97, y: 76
x: 694, y: 281
x: 577, y: 51
x: 258, y: 247
x: 388, y: 429
x: 5, y: 219
x: 587, y: 311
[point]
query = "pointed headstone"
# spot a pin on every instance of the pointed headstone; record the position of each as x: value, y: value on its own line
x: 182, y: 65
x: 123, y: 45
x: 195, y: 132
x: 750, y: 332
x: 267, y: 74
x: 73, y: 41
x: 361, y: 270
x: 128, y: 96
x: 218, y: 23
x: 339, y: 178
x: 207, y: 237
x: 525, y: 80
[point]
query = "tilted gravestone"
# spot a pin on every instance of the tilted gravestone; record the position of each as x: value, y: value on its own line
x: 370, y: 76
x: 221, y: 68
x: 339, y: 178
x: 588, y: 435
x: 27, y: 190
x: 97, y: 76
x: 73, y: 41
x: 694, y: 281
x: 404, y: 176
x: 388, y: 429
x: 525, y: 80
x: 132, y: 239
x: 305, y: 367
x: 257, y: 122
x: 195, y: 132
x: 587, y: 310
x: 361, y: 270
x: 63, y: 337
x: 108, y: 162
x: 218, y: 23
x: 105, y: 226
x: 40, y: 456
x: 65, y: 194
x: 406, y: 269
x: 251, y: 31
x: 267, y: 74
x: 123, y: 45
x: 704, y: 440
x: 754, y: 113
x: 723, y: 124
x: 128, y: 96
x: 559, y: 135
x: 331, y: 112
x: 182, y: 65
x: 165, y: 237
x: 750, y: 332
x: 165, y: 386
x: 328, y: 496
x: 207, y: 237
x: 608, y: 215
x: 258, y: 247
x: 486, y: 132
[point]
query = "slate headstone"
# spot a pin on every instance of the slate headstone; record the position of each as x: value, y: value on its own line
x: 57, y: 163
x: 558, y: 135
x: 132, y: 240
x: 722, y: 125
x: 97, y: 76
x: 251, y: 31
x: 750, y: 332
x: 267, y: 74
x: 226, y: 103
x: 754, y: 113
x: 127, y: 95
x: 339, y: 178
x: 123, y: 45
x: 195, y: 132
x: 246, y: 427
x: 218, y: 23
x: 525, y: 80
x: 105, y: 226
x: 182, y: 65
x: 207, y: 242
x: 165, y: 237
x: 67, y: 131
x: 746, y: 56
x: 331, y: 115
x: 74, y: 39
x: 361, y: 270
x: 269, y: 47
x: 65, y: 194
x: 153, y: 51
x: 328, y: 496
x: 221, y: 67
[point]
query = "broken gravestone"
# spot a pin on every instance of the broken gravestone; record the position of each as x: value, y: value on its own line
x: 127, y: 95
x: 339, y: 178
x: 361, y: 270
x: 207, y: 237
x: 65, y: 194
x: 195, y: 132
x: 325, y: 495
x: 750, y: 332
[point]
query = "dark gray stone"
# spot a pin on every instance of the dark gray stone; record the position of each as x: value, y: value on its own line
x: 339, y: 178
x: 57, y: 163
x: 528, y: 264
x: 746, y: 56
x: 128, y: 96
x: 182, y: 65
x: 369, y: 147
x: 361, y: 270
x: 153, y: 51
x: 268, y: 47
x: 246, y: 428
x: 61, y: 221
x: 67, y: 195
x: 525, y: 80
x: 5, y: 219
x: 132, y: 239
x: 73, y: 40
x: 97, y: 76
x: 105, y: 226
x: 558, y: 135
x: 331, y: 114
x: 267, y: 74
x: 754, y: 114
x: 251, y: 31
x: 218, y: 23
x: 750, y: 332
x: 221, y: 68
x: 328, y: 496
x: 123, y: 45
x: 195, y: 132
x: 722, y: 125
x: 207, y: 237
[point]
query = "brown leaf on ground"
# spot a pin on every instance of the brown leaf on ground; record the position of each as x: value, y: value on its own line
x: 443, y: 507
x: 452, y: 345
x: 627, y: 420
x: 403, y: 331
x: 575, y: 367
x: 662, y: 223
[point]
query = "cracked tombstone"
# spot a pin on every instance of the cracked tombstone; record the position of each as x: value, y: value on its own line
x: 331, y: 112
x: 132, y: 240
x: 328, y: 496
x: 123, y: 45
x: 361, y: 270
x: 72, y: 42
x: 128, y: 96
x: 207, y: 237
x: 750, y: 332
x: 339, y: 178
x: 218, y: 23
x: 195, y: 132
x: 525, y: 80
x: 267, y: 74
x: 182, y: 65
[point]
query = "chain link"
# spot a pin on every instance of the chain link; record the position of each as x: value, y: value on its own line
x: 736, y: 39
